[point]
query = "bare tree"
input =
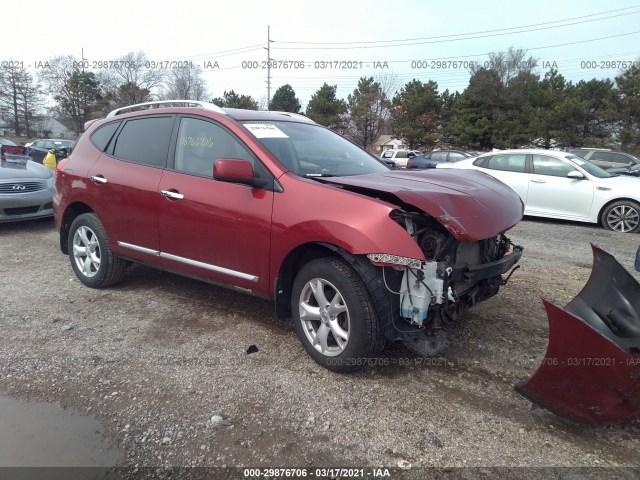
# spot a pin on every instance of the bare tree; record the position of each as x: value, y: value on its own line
x: 129, y: 79
x: 185, y: 84
x: 19, y: 97
x: 508, y: 64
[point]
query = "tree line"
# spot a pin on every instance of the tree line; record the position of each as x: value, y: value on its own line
x: 506, y: 104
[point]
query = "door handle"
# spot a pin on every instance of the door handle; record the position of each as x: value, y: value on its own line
x: 98, y: 179
x: 538, y: 181
x: 172, y: 195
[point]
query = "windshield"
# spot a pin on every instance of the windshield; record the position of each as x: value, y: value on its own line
x: 589, y: 167
x: 313, y: 151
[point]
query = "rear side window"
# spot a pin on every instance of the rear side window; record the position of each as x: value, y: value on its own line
x: 102, y: 136
x: 456, y: 157
x: 507, y: 163
x: 145, y: 141
x: 439, y: 156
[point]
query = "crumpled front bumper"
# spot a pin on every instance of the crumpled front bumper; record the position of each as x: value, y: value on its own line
x: 591, y: 371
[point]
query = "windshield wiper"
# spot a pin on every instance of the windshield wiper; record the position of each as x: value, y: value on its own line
x: 319, y: 175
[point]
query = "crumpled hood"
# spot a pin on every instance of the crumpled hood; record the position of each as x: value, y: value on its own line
x: 470, y: 204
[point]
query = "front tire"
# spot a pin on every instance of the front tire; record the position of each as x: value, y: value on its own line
x: 334, y: 316
x: 92, y: 260
x: 622, y: 216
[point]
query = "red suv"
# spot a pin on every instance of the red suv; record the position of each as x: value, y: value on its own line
x: 274, y: 205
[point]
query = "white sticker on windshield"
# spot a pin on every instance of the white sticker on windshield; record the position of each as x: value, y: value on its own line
x: 578, y: 161
x: 265, y: 130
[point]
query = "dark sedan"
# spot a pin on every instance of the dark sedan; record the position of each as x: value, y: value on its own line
x: 39, y: 149
x: 633, y: 170
x: 431, y: 159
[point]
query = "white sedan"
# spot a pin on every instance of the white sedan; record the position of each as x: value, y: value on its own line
x: 561, y: 185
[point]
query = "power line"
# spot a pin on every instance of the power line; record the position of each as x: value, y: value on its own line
x: 443, y: 38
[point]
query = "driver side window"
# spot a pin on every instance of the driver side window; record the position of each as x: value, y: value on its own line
x: 553, y: 167
x: 200, y: 143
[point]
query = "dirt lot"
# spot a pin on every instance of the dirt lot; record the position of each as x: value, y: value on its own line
x: 155, y: 357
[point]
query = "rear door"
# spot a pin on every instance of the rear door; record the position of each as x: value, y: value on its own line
x: 511, y: 169
x: 124, y: 185
x: 210, y: 229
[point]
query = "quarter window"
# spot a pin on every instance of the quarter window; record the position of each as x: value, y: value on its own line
x: 200, y: 143
x: 507, y: 163
x: 145, y: 141
x: 101, y: 137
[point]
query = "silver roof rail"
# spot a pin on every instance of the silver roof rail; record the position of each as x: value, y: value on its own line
x: 167, y: 104
x: 299, y: 116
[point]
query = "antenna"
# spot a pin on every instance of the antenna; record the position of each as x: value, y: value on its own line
x: 268, y: 66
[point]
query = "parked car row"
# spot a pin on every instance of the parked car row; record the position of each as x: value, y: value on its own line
x: 38, y: 149
x: 562, y: 185
x: 26, y: 187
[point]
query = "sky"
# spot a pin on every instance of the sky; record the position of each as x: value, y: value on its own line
x: 333, y: 41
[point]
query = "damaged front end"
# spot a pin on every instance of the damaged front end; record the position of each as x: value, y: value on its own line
x: 591, y: 370
x: 432, y: 294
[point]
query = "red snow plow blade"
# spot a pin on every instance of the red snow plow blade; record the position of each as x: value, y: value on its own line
x: 591, y: 371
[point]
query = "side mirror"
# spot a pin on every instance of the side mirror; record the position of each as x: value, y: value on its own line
x: 233, y: 170
x: 575, y: 175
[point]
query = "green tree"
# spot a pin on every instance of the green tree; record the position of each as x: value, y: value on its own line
x: 130, y: 94
x: 476, y: 113
x: 368, y: 108
x: 233, y: 100
x: 628, y: 108
x: 596, y: 99
x: 325, y: 109
x: 285, y: 100
x: 448, y: 100
x: 79, y: 98
x: 415, y: 114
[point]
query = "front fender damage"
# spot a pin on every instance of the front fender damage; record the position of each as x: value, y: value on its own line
x: 591, y: 370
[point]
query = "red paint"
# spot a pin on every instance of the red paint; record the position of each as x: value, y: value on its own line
x: 252, y: 230
x: 588, y: 375
x: 466, y: 203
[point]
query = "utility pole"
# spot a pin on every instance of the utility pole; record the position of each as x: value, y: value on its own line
x: 268, y: 66
x: 82, y: 62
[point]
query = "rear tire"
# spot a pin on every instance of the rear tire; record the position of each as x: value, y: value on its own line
x: 92, y: 260
x: 621, y: 216
x: 334, y: 316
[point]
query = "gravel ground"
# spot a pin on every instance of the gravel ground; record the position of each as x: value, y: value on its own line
x: 161, y: 362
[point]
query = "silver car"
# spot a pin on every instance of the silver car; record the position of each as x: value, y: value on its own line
x: 26, y: 187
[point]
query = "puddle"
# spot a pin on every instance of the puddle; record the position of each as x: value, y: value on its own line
x: 38, y: 434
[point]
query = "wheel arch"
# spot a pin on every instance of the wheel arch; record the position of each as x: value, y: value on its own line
x: 292, y: 263
x: 385, y: 302
x: 614, y: 200
x: 70, y: 214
